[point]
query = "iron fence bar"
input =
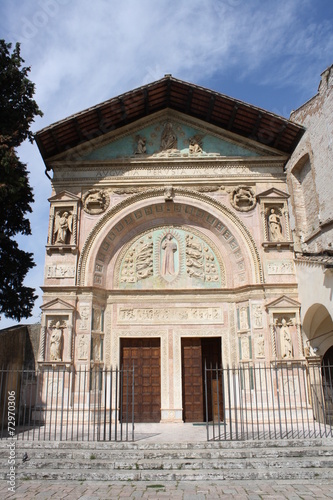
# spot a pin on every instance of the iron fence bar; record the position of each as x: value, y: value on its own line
x: 30, y: 404
x: 19, y: 398
x: 35, y: 405
x: 307, y: 392
x: 68, y: 401
x: 62, y: 403
x: 218, y: 401
x: 133, y: 379
x: 229, y: 404
x: 256, y: 400
x: 330, y: 397
x: 268, y: 405
x: 302, y: 398
x: 78, y: 376
x: 289, y: 398
x: 104, y: 412
x: 250, y: 376
x: 116, y: 408
x: 121, y: 401
x: 223, y: 401
x: 110, y: 403
x: 320, y: 405
x: 84, y: 400
x: 89, y: 400
x: 206, y: 403
x: 212, y: 398
x: 236, y: 374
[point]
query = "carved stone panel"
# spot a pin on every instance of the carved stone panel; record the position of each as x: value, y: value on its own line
x: 170, y: 257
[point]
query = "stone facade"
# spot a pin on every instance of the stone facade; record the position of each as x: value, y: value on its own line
x: 175, y: 229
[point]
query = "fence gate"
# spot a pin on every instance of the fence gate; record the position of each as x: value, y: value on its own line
x: 279, y: 401
x: 67, y: 404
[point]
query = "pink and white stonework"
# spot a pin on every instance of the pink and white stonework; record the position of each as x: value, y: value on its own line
x: 176, y: 228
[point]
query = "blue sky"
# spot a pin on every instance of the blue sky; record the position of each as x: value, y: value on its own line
x: 269, y: 53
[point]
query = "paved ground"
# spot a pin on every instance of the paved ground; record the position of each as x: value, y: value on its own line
x: 192, y: 490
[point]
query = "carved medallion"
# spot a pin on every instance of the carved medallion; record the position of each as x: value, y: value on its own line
x: 95, y: 201
x: 243, y: 198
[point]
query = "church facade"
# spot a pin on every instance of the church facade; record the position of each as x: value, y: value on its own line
x: 169, y: 244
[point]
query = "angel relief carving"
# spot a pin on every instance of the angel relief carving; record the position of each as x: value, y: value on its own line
x: 63, y: 228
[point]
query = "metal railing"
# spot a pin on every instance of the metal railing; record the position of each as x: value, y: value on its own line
x: 67, y: 404
x: 280, y: 401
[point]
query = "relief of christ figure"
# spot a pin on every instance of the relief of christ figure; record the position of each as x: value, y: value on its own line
x: 169, y: 246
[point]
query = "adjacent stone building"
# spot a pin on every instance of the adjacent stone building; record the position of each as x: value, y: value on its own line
x: 310, y: 181
x: 170, y: 243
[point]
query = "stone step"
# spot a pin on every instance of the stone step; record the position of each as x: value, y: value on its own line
x: 137, y: 445
x: 179, y: 475
x: 169, y: 454
x: 174, y: 464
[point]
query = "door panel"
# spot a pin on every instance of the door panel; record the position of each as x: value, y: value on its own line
x: 144, y: 354
x: 192, y: 380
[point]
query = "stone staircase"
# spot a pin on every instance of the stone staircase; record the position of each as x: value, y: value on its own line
x: 116, y: 461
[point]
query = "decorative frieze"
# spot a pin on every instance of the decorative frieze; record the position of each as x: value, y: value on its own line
x: 181, y: 315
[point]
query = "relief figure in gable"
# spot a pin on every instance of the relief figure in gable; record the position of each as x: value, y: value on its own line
x: 168, y: 138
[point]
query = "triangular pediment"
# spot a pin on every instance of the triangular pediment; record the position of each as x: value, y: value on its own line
x: 64, y: 196
x: 57, y: 305
x: 283, y: 302
x: 273, y: 193
x: 172, y: 135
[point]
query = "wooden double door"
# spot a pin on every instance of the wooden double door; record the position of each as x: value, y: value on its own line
x: 196, y: 353
x: 145, y: 356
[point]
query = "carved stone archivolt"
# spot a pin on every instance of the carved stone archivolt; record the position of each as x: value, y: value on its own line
x: 95, y: 201
x: 193, y: 198
x: 242, y: 198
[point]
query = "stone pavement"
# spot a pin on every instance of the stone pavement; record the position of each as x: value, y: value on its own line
x: 190, y: 490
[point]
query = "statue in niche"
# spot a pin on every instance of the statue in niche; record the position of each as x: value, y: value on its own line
x: 56, y: 342
x: 63, y: 228
x: 169, y: 246
x: 275, y: 227
x: 168, y: 138
x: 243, y: 198
x: 194, y: 145
x: 285, y: 340
x: 141, y: 148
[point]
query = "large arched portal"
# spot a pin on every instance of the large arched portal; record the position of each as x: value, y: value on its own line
x: 168, y: 272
